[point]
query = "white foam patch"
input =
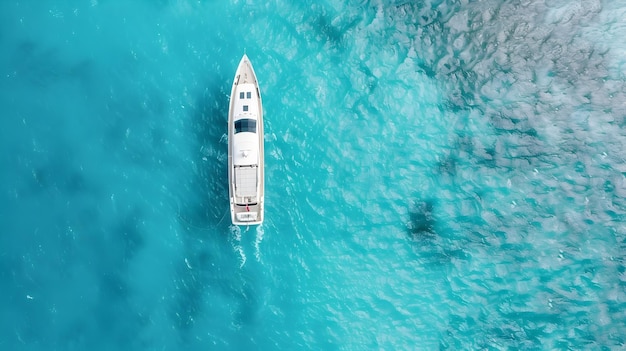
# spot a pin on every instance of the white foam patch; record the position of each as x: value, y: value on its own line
x: 260, y: 232
x: 235, y: 241
x: 607, y: 32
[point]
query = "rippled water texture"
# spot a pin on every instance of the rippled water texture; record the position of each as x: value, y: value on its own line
x: 439, y: 175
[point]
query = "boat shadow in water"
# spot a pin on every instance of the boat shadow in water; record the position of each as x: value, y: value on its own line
x: 211, y: 267
x: 205, y: 204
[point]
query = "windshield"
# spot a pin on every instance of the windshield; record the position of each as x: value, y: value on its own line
x: 245, y: 125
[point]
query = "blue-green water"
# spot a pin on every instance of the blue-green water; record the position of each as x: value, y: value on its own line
x: 439, y: 174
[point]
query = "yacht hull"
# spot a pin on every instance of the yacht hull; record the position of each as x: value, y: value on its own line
x: 245, y: 148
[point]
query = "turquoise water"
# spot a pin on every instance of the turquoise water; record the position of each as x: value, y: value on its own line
x: 439, y: 174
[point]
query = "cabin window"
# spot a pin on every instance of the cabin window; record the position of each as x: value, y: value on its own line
x: 245, y: 125
x: 245, y: 108
x: 241, y: 95
x: 249, y: 95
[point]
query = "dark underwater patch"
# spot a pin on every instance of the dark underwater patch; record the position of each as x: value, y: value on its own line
x: 189, y: 302
x: 421, y: 221
x: 113, y: 287
x: 132, y: 128
x: 55, y: 171
x: 248, y: 303
x: 327, y: 31
x: 464, y: 144
x: 43, y: 67
x: 128, y: 232
x: 447, y: 165
x: 205, y: 282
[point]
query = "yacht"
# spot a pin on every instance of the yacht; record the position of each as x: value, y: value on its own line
x: 246, y: 186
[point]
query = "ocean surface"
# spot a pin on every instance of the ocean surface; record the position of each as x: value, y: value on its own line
x: 440, y: 175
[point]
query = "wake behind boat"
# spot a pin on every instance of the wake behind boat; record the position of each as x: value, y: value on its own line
x: 245, y: 148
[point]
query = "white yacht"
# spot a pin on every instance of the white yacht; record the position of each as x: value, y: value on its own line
x: 246, y: 186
